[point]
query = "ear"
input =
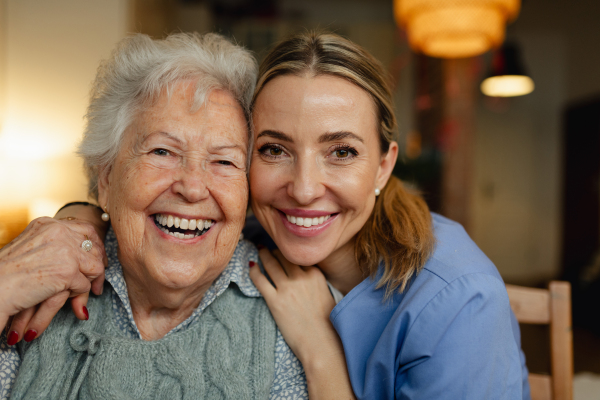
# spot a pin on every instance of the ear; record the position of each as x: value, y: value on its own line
x: 388, y: 161
x: 104, y: 176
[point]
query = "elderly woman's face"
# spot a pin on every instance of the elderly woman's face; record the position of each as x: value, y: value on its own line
x: 177, y: 192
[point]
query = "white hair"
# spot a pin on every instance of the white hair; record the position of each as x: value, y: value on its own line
x: 138, y: 71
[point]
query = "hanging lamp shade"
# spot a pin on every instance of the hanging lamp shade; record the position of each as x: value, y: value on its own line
x: 507, y: 77
x: 455, y: 28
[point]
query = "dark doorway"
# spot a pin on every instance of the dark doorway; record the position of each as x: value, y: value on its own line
x: 581, y: 210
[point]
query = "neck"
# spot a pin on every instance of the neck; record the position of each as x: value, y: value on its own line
x: 158, y: 309
x: 342, y: 270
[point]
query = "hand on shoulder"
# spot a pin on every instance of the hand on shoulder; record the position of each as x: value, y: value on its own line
x: 43, y: 267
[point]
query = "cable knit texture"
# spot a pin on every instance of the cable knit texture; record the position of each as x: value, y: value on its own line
x: 228, y: 353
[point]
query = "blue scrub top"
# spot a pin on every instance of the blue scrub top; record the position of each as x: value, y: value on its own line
x: 450, y: 335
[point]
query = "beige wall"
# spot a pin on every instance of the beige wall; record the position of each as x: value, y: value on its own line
x: 51, y: 50
x: 517, y: 188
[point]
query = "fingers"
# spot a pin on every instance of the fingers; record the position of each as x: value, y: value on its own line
x: 44, y: 314
x: 98, y: 285
x: 291, y: 270
x: 79, y: 306
x: 261, y: 282
x: 272, y: 267
x: 18, y: 325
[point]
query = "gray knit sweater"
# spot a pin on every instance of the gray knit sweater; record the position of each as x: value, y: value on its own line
x: 228, y: 353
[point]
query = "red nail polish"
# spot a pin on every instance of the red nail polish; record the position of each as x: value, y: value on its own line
x: 13, y: 338
x: 260, y: 246
x: 30, y: 335
x: 85, y: 311
x: 251, y: 264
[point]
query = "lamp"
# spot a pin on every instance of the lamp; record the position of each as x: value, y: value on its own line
x: 455, y: 28
x: 507, y: 77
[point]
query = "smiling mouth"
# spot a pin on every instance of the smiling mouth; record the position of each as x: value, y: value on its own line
x: 182, y: 228
x: 307, y: 222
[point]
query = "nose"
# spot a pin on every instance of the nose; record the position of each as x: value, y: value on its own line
x: 192, y: 182
x: 306, y: 184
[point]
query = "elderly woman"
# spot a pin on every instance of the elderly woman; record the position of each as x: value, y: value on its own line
x: 165, y: 149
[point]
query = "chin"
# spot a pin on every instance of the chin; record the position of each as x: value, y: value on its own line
x: 180, y: 277
x: 303, y: 255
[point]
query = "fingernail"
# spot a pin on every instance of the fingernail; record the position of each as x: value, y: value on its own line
x: 260, y: 246
x: 30, y: 335
x: 85, y: 311
x: 13, y: 338
x: 251, y: 264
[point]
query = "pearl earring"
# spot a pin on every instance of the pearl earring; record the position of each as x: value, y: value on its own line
x: 377, y: 192
x: 105, y: 217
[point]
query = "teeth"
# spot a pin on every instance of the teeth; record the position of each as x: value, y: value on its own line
x: 197, y: 225
x: 307, y: 222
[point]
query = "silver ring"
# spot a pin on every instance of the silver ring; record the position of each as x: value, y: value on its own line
x: 87, y: 244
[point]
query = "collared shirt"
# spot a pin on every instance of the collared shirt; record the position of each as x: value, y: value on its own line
x: 289, y: 380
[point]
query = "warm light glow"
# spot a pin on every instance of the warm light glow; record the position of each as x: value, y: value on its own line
x: 455, y: 28
x: 507, y: 86
x: 43, y: 207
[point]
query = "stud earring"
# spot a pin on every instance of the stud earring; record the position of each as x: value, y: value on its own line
x: 105, y: 217
x: 377, y: 192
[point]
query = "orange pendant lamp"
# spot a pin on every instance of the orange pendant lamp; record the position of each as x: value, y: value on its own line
x: 455, y: 28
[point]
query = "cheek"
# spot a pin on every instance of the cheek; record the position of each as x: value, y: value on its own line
x: 262, y: 183
x: 353, y: 187
x: 140, y: 183
x: 232, y: 196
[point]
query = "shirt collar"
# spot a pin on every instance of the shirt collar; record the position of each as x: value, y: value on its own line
x: 235, y: 272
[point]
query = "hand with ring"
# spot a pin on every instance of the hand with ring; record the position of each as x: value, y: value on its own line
x: 51, y: 261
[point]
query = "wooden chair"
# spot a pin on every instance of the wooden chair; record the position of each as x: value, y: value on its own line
x: 551, y: 307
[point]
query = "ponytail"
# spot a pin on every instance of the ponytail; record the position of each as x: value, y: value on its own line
x: 398, y: 234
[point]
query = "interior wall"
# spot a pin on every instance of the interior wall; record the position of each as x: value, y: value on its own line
x: 577, y: 22
x: 51, y: 51
x: 517, y: 190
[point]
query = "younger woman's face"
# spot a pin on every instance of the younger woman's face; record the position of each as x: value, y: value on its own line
x: 316, y: 164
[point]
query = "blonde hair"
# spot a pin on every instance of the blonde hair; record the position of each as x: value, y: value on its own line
x: 399, y: 232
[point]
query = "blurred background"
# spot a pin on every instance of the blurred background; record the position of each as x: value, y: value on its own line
x: 522, y: 174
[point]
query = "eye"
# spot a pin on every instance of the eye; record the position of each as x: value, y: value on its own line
x: 161, y: 152
x: 225, y: 162
x: 272, y: 151
x: 341, y: 153
x: 344, y: 152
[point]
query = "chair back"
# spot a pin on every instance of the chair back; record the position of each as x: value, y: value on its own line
x: 550, y: 307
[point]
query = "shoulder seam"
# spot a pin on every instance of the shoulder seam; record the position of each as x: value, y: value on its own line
x: 441, y: 289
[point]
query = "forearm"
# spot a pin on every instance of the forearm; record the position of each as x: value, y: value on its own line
x: 91, y: 214
x: 326, y: 371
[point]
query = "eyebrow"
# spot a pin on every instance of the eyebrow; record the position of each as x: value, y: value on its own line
x: 229, y: 146
x: 334, y: 136
x: 167, y: 134
x: 324, y: 138
x: 275, y: 135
